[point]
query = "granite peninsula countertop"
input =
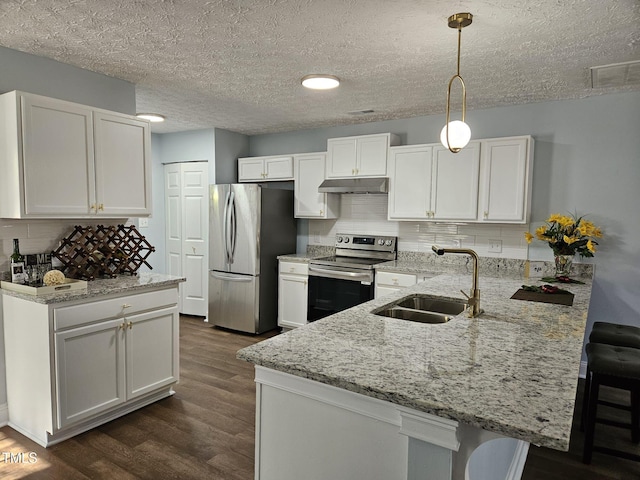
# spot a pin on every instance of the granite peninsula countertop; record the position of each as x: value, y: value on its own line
x: 513, y: 370
x: 106, y: 286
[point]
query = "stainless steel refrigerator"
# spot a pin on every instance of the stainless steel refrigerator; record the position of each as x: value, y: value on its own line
x: 249, y: 227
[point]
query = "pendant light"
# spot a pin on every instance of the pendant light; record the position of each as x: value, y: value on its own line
x: 456, y: 134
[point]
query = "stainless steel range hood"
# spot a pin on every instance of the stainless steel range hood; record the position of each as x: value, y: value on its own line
x: 355, y: 185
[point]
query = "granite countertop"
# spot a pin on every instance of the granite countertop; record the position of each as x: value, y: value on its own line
x: 513, y: 370
x: 297, y: 257
x: 120, y: 284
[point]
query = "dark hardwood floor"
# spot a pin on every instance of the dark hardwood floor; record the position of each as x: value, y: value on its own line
x: 206, y: 430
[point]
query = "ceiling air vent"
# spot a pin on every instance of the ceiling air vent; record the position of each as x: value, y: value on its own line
x: 616, y: 75
x: 360, y: 112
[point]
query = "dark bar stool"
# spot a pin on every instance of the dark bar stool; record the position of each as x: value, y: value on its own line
x: 615, y: 334
x: 617, y: 367
x: 610, y: 334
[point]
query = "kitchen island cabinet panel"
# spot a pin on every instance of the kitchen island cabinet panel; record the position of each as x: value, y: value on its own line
x: 65, y: 160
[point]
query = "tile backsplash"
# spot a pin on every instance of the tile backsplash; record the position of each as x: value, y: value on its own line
x: 368, y: 214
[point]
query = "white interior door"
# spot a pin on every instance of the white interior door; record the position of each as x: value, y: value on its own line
x: 187, y: 224
x: 173, y: 221
x: 195, y: 234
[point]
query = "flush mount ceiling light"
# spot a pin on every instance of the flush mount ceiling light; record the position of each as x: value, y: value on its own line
x: 152, y: 117
x: 456, y: 134
x: 317, y: 81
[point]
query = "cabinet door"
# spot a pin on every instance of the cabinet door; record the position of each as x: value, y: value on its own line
x: 123, y: 165
x: 90, y: 374
x: 372, y: 155
x: 454, y: 194
x: 341, y: 157
x: 278, y: 168
x: 250, y: 170
x: 308, y: 175
x: 410, y: 182
x: 57, y: 141
x: 292, y: 300
x: 504, y: 180
x: 152, y: 351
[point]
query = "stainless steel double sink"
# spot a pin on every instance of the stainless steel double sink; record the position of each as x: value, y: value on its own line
x: 423, y: 308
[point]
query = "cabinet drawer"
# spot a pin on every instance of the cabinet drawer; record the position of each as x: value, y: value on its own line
x: 295, y: 268
x: 92, y: 311
x: 395, y: 279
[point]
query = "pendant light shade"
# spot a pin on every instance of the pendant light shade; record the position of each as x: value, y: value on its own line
x: 459, y: 135
x: 456, y: 134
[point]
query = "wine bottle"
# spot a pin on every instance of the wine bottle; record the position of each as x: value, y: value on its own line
x: 18, y: 274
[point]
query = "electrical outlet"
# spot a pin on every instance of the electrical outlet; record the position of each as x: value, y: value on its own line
x: 457, y: 243
x: 495, y: 246
x: 143, y: 222
x: 536, y: 269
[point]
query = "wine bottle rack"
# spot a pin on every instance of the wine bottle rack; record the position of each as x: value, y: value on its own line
x: 103, y: 251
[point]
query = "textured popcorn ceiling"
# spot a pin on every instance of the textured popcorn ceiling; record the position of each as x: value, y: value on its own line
x: 237, y: 64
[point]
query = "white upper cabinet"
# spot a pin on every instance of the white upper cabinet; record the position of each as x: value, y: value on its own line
x: 308, y: 175
x: 428, y: 182
x: 505, y: 183
x: 361, y: 156
x: 454, y: 190
x: 489, y: 181
x: 410, y: 182
x: 65, y: 160
x: 261, y: 169
x: 122, y: 174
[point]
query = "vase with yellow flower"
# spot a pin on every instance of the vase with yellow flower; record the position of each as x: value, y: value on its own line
x: 567, y: 235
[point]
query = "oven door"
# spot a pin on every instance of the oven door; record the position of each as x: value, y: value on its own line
x: 331, y: 291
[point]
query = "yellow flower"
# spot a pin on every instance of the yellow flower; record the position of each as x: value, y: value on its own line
x: 566, y: 221
x: 540, y: 232
x: 591, y: 246
x: 554, y: 217
x: 569, y: 240
x: 597, y: 232
x: 528, y: 237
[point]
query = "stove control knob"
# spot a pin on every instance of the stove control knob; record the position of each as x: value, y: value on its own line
x: 388, y: 243
x: 339, y: 239
x: 381, y: 242
x: 346, y: 239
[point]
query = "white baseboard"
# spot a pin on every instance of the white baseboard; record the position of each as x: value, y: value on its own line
x: 4, y: 415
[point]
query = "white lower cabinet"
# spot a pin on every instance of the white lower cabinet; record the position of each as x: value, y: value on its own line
x: 391, y: 282
x: 92, y: 361
x: 293, y: 286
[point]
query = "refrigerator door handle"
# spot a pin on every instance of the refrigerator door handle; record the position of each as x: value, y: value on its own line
x: 234, y: 226
x: 231, y: 278
x: 226, y: 233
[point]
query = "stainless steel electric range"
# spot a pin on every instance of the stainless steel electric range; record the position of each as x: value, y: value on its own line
x: 347, y: 278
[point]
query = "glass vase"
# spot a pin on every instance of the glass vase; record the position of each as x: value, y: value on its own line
x: 563, y: 265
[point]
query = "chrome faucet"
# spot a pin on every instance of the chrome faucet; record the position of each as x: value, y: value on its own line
x: 474, y: 300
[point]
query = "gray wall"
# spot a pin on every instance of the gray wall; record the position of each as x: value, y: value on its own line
x: 29, y: 73
x: 229, y: 147
x: 587, y: 160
